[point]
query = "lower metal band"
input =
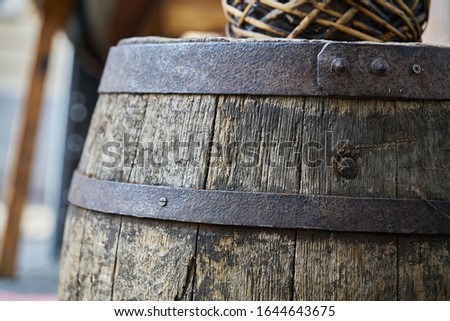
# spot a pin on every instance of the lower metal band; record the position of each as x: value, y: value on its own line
x: 333, y: 213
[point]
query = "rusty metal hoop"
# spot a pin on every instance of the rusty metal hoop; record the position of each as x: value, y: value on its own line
x: 335, y: 213
x: 302, y: 68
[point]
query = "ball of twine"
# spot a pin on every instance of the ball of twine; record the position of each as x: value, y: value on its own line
x: 347, y: 20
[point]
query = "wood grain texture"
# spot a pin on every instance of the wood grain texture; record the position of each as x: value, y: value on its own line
x: 267, y: 144
x: 104, y: 260
x: 155, y: 260
x: 159, y: 256
x: 423, y: 149
x: 95, y: 270
x: 345, y: 266
x: 248, y: 154
x: 424, y: 173
x: 424, y: 268
x: 249, y: 264
x: 97, y: 258
x: 244, y: 264
x: 70, y: 254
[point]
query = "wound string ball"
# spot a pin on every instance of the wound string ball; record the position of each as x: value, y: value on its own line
x: 347, y: 20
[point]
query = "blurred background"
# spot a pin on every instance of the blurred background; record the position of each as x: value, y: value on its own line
x: 75, y: 64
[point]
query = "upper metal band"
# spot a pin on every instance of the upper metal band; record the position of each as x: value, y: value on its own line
x: 279, y: 67
x: 332, y: 213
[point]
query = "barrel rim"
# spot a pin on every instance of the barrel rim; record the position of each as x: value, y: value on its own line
x: 301, y: 68
x: 151, y: 40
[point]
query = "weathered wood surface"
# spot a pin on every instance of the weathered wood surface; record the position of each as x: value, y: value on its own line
x: 249, y: 264
x: 423, y: 165
x: 340, y: 266
x: 401, y: 149
x: 160, y: 256
x: 157, y: 257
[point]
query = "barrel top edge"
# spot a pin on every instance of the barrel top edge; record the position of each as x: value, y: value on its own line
x: 324, y: 95
x: 152, y: 40
x: 278, y: 67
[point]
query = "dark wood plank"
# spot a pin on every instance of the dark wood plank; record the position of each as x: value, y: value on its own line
x: 94, y: 276
x: 400, y: 149
x: 424, y: 268
x: 159, y: 256
x: 243, y: 263
x: 347, y: 266
x: 423, y: 154
x: 70, y: 254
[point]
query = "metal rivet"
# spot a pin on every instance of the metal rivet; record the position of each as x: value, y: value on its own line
x: 347, y: 168
x: 339, y: 65
x: 162, y: 201
x: 380, y: 66
x: 417, y: 69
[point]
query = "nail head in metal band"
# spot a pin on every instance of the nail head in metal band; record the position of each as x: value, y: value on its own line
x: 277, y: 67
x: 333, y: 213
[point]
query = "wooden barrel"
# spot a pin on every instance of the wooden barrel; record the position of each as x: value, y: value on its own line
x: 222, y: 169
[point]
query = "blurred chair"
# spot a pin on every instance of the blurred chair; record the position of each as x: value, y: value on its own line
x: 55, y: 14
x: 93, y: 27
